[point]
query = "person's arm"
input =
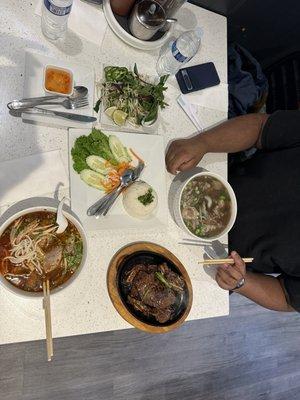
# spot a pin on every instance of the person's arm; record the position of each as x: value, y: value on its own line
x: 264, y: 290
x: 235, y: 135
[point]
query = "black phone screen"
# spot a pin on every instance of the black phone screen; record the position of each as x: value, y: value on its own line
x: 197, y: 77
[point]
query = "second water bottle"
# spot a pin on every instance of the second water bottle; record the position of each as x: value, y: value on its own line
x: 179, y: 52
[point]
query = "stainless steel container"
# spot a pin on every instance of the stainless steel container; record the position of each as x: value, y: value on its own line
x: 171, y: 6
x: 146, y: 19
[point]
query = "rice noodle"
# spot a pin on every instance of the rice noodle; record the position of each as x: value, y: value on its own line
x: 26, y: 248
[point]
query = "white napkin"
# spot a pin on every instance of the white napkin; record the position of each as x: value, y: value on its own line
x: 87, y: 20
x: 190, y: 110
x: 31, y: 176
x: 215, y: 97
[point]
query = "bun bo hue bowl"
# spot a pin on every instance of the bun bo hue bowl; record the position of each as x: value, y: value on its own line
x: 30, y: 250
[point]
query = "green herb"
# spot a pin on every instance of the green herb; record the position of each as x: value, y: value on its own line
x: 224, y: 196
x: 147, y: 198
x: 168, y: 284
x: 97, y: 106
x: 74, y: 258
x: 96, y: 143
x: 162, y: 279
x: 199, y: 231
x: 129, y: 92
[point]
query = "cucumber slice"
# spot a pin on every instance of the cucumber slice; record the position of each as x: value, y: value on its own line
x: 119, y: 151
x: 92, y: 178
x: 99, y: 164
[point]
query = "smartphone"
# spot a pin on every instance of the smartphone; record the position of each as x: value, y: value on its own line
x: 197, y: 77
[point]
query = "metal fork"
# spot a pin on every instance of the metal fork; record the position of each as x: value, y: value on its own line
x: 68, y: 103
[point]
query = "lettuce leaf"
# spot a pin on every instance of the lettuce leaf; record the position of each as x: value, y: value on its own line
x: 96, y: 143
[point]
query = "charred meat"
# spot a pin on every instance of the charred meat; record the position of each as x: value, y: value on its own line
x: 154, y: 290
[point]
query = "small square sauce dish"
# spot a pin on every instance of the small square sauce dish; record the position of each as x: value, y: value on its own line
x: 58, y: 80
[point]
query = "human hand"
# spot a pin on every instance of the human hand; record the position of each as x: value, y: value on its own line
x: 184, y: 154
x: 229, y: 275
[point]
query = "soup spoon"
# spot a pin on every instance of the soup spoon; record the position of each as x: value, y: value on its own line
x: 78, y: 93
x: 61, y: 220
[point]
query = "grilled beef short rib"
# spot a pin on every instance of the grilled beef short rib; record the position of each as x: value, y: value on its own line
x: 149, y: 295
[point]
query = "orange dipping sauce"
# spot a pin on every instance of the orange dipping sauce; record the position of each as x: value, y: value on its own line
x: 58, y: 80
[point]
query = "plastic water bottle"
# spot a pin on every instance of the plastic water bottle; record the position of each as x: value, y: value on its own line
x: 179, y: 52
x: 55, y: 14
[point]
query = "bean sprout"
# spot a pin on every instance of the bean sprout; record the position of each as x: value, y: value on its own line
x: 26, y: 244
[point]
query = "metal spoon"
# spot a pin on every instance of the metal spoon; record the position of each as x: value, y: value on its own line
x: 136, y: 172
x: 126, y: 179
x: 78, y: 93
x: 161, y: 20
x: 101, y: 204
x: 61, y: 220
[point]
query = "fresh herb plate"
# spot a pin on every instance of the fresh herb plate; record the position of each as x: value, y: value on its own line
x: 154, y: 110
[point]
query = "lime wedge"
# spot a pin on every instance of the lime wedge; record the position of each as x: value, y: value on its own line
x: 110, y: 110
x: 132, y: 121
x: 119, y: 117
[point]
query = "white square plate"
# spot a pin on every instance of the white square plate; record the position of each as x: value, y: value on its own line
x: 151, y: 149
x: 33, y: 87
x: 108, y: 124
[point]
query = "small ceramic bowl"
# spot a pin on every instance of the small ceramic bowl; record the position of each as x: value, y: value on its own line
x: 60, y: 72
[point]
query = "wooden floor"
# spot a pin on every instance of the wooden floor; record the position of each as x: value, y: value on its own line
x: 252, y: 355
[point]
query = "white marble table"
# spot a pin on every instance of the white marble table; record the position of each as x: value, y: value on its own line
x: 84, y: 307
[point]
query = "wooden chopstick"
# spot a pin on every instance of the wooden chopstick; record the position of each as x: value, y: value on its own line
x: 49, y: 316
x: 47, y: 310
x: 218, y: 261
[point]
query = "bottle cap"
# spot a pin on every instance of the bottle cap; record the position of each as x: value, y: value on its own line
x: 199, y: 32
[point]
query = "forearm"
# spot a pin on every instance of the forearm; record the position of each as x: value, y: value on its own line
x: 235, y: 135
x: 266, y: 291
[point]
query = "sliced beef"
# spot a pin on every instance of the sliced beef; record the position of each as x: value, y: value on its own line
x: 139, y: 306
x: 159, y: 297
x: 151, y: 296
x: 33, y: 283
x: 174, y: 279
x: 53, y: 258
x: 163, y: 316
x: 133, y: 272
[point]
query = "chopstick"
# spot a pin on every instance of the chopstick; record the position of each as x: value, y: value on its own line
x: 48, y: 325
x: 218, y: 261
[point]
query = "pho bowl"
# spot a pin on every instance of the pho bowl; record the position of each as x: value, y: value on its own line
x: 143, y: 255
x: 41, y: 204
x: 183, y: 179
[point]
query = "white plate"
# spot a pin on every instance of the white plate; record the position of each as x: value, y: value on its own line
x: 108, y: 124
x: 151, y: 149
x: 127, y: 37
x: 33, y: 87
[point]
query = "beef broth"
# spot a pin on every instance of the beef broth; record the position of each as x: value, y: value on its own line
x: 205, y: 206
